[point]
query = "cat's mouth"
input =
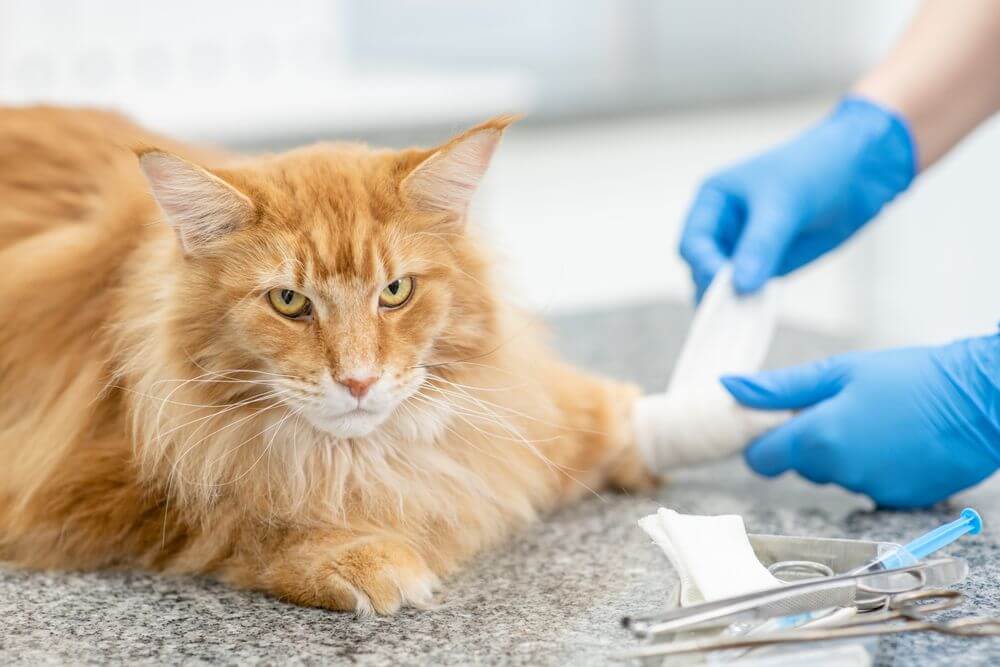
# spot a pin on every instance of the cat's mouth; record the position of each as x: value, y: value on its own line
x: 359, y: 411
x: 356, y: 422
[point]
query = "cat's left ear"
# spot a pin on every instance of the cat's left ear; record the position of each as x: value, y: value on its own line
x: 448, y: 176
x: 200, y: 206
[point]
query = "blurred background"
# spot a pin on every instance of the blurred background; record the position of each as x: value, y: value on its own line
x: 629, y: 104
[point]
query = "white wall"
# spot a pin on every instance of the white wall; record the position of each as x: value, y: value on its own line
x: 246, y: 71
x: 935, y: 256
x: 229, y: 71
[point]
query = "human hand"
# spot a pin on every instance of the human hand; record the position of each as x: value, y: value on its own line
x: 907, y: 427
x: 786, y: 207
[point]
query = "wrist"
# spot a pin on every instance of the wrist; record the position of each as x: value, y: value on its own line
x: 889, y: 150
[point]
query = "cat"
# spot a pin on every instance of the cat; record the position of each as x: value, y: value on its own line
x: 296, y: 373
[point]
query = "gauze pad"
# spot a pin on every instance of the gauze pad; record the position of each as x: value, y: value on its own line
x: 696, y: 420
x: 711, y: 555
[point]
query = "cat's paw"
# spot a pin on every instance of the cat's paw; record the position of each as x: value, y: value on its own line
x: 629, y: 472
x: 383, y: 575
x: 345, y: 572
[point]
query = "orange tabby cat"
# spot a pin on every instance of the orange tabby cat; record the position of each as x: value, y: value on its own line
x: 295, y: 373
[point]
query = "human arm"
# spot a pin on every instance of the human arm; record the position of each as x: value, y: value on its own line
x: 782, y: 209
x: 942, y: 74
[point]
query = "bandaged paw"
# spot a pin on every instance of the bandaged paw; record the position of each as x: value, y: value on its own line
x: 696, y: 420
x: 696, y: 425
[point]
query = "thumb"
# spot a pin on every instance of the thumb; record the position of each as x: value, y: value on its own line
x: 789, y: 388
x: 758, y: 253
x: 775, y: 452
x: 713, y: 212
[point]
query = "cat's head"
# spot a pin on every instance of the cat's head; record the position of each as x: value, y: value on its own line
x: 329, y: 278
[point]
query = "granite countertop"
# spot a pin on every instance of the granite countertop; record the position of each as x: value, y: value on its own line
x: 554, y: 595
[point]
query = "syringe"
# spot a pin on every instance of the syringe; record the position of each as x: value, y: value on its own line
x: 968, y: 522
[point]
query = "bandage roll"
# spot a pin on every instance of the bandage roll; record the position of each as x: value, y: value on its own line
x: 696, y: 420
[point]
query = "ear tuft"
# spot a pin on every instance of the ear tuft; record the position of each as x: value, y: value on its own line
x: 447, y: 179
x: 199, y: 205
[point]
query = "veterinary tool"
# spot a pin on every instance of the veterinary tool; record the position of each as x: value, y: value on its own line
x: 969, y: 522
x: 794, y: 598
x: 904, y: 612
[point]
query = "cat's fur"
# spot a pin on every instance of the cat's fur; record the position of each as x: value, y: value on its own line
x: 156, y: 412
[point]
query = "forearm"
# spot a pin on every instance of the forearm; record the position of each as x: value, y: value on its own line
x: 942, y: 74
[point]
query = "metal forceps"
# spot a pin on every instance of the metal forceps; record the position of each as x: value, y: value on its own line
x: 904, y: 612
x: 794, y: 598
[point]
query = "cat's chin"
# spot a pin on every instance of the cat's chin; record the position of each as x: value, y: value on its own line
x: 354, y: 424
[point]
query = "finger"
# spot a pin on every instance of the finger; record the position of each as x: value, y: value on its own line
x: 791, y: 388
x: 759, y: 251
x: 771, y: 454
x: 818, y: 452
x: 801, y: 444
x: 701, y: 244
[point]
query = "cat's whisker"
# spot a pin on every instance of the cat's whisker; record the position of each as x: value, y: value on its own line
x: 446, y: 403
x: 468, y: 442
x: 518, y: 439
x: 228, y: 371
x: 223, y: 380
x: 477, y: 388
x: 234, y: 406
x: 159, y: 399
x: 566, y: 470
x: 158, y: 434
x: 225, y: 455
x: 549, y: 463
x: 163, y: 403
x: 481, y: 355
x: 514, y: 412
x: 229, y: 425
x: 491, y: 367
x: 220, y: 377
x: 267, y: 448
x: 487, y: 417
x: 183, y: 383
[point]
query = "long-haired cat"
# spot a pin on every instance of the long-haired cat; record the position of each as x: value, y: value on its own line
x: 296, y: 373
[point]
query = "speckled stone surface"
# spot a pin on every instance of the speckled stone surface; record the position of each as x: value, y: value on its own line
x: 553, y: 596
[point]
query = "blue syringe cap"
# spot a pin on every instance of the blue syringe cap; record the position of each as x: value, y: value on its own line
x: 975, y: 521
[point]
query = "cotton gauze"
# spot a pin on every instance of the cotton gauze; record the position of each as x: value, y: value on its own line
x: 696, y: 420
x: 711, y: 555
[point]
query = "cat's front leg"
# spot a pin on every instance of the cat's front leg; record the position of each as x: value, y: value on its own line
x: 600, y: 446
x: 345, y: 572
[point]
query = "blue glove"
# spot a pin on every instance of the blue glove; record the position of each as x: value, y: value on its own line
x: 786, y: 207
x: 907, y: 427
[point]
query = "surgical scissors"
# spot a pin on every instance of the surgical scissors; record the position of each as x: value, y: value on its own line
x: 802, y: 596
x: 904, y: 612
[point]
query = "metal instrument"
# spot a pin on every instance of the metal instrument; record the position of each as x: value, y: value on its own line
x: 795, y: 598
x: 904, y: 612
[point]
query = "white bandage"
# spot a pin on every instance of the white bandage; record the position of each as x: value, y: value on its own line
x: 711, y: 555
x: 696, y: 420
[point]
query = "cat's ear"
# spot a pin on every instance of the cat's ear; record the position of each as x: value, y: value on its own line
x: 447, y: 177
x: 200, y: 206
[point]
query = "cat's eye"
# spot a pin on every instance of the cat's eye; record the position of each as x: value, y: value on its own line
x: 396, y: 293
x: 289, y: 303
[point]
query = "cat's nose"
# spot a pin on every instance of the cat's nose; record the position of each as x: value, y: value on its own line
x: 358, y: 386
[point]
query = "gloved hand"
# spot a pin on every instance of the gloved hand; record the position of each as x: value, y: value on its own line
x: 786, y: 207
x: 907, y: 427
